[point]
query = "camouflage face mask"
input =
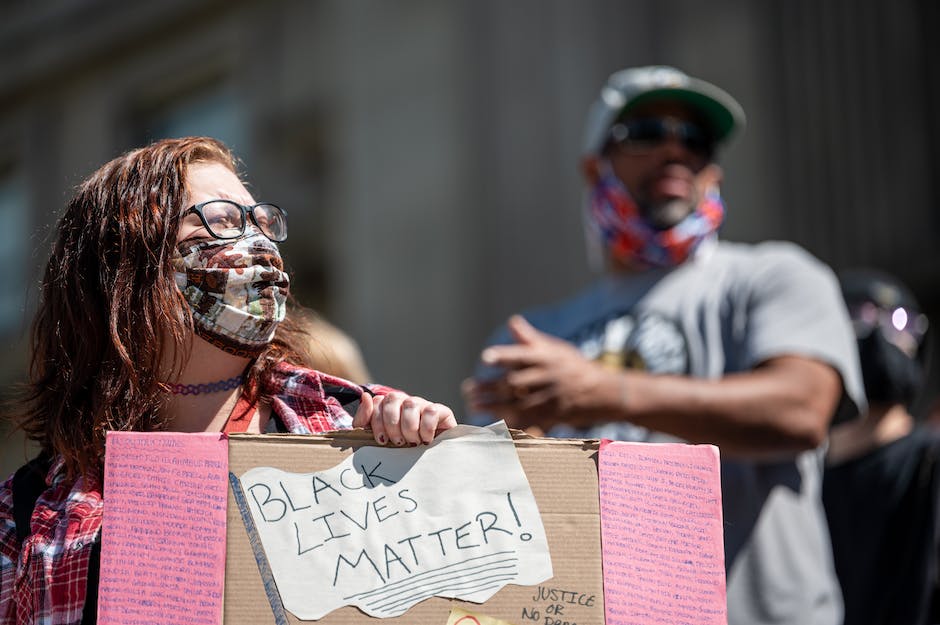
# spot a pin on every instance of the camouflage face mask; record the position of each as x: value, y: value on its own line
x: 236, y: 289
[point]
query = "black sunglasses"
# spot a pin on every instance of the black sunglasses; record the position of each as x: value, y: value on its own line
x: 225, y: 219
x: 649, y: 132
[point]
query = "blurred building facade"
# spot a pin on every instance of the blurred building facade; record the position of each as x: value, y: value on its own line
x: 427, y: 150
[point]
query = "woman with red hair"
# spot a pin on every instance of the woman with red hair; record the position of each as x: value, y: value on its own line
x: 162, y: 307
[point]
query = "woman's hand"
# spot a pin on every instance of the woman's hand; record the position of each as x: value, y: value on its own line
x: 401, y: 419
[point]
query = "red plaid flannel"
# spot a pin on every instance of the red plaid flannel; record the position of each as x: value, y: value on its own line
x: 44, y: 579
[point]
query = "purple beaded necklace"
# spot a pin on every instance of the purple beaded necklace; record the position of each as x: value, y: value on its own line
x: 211, y: 387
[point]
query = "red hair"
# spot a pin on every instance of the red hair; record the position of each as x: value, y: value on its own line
x: 110, y: 309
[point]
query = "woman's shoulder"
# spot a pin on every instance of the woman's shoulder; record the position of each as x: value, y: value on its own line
x: 44, y: 483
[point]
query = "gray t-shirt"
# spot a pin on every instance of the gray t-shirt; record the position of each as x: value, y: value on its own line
x: 731, y: 308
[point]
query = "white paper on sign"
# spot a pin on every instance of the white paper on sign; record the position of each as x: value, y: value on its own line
x: 388, y: 528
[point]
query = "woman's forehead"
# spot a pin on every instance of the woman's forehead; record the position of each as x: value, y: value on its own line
x: 206, y: 180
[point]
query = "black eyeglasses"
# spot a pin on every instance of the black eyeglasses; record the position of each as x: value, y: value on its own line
x: 225, y: 219
x: 649, y: 132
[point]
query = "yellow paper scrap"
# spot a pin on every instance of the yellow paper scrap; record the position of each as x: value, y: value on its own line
x: 459, y: 616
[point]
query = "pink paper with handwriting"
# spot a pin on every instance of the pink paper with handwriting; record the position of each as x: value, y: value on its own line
x: 661, y: 531
x: 163, y: 536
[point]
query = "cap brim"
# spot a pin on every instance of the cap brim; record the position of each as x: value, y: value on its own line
x: 724, y: 115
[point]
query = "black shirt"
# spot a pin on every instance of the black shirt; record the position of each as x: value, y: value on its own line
x: 883, y: 519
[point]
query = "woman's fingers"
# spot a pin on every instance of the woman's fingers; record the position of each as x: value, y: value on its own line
x: 371, y: 414
x: 400, y: 419
x: 410, y: 419
x: 389, y: 412
x: 435, y: 418
x: 363, y: 416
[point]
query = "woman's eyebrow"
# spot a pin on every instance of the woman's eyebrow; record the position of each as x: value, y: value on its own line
x: 224, y: 195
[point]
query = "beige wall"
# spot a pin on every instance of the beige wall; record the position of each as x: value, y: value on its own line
x: 427, y: 150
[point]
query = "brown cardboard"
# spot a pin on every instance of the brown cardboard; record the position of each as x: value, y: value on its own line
x: 563, y: 478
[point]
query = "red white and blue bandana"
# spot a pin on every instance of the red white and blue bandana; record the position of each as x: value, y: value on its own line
x: 626, y: 235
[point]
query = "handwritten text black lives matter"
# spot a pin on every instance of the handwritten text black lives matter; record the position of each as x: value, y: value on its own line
x: 458, y: 556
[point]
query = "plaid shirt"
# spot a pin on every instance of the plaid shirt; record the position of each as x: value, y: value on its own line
x: 44, y: 580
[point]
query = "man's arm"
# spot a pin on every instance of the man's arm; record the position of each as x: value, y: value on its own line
x: 781, y: 407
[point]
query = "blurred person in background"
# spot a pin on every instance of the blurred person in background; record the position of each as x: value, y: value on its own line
x: 747, y: 347
x: 162, y: 308
x: 882, y: 482
x: 328, y: 349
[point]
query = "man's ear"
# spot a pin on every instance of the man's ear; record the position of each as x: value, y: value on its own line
x: 591, y: 169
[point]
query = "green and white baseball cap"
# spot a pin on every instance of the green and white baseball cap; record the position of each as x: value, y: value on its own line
x: 629, y: 88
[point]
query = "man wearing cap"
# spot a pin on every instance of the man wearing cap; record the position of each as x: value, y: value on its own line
x: 746, y: 347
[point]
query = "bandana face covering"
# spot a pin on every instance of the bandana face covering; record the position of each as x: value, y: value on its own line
x: 628, y: 236
x: 236, y: 289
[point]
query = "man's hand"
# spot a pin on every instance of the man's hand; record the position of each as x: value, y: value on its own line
x: 547, y: 380
x: 400, y: 419
x: 781, y: 407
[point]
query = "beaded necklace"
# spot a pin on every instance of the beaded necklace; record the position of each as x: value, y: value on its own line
x: 211, y: 387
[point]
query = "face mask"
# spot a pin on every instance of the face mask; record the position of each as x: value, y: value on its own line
x: 619, y: 225
x: 236, y: 289
x: 890, y: 375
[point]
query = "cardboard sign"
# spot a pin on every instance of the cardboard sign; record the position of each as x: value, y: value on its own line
x: 336, y: 526
x: 562, y: 476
